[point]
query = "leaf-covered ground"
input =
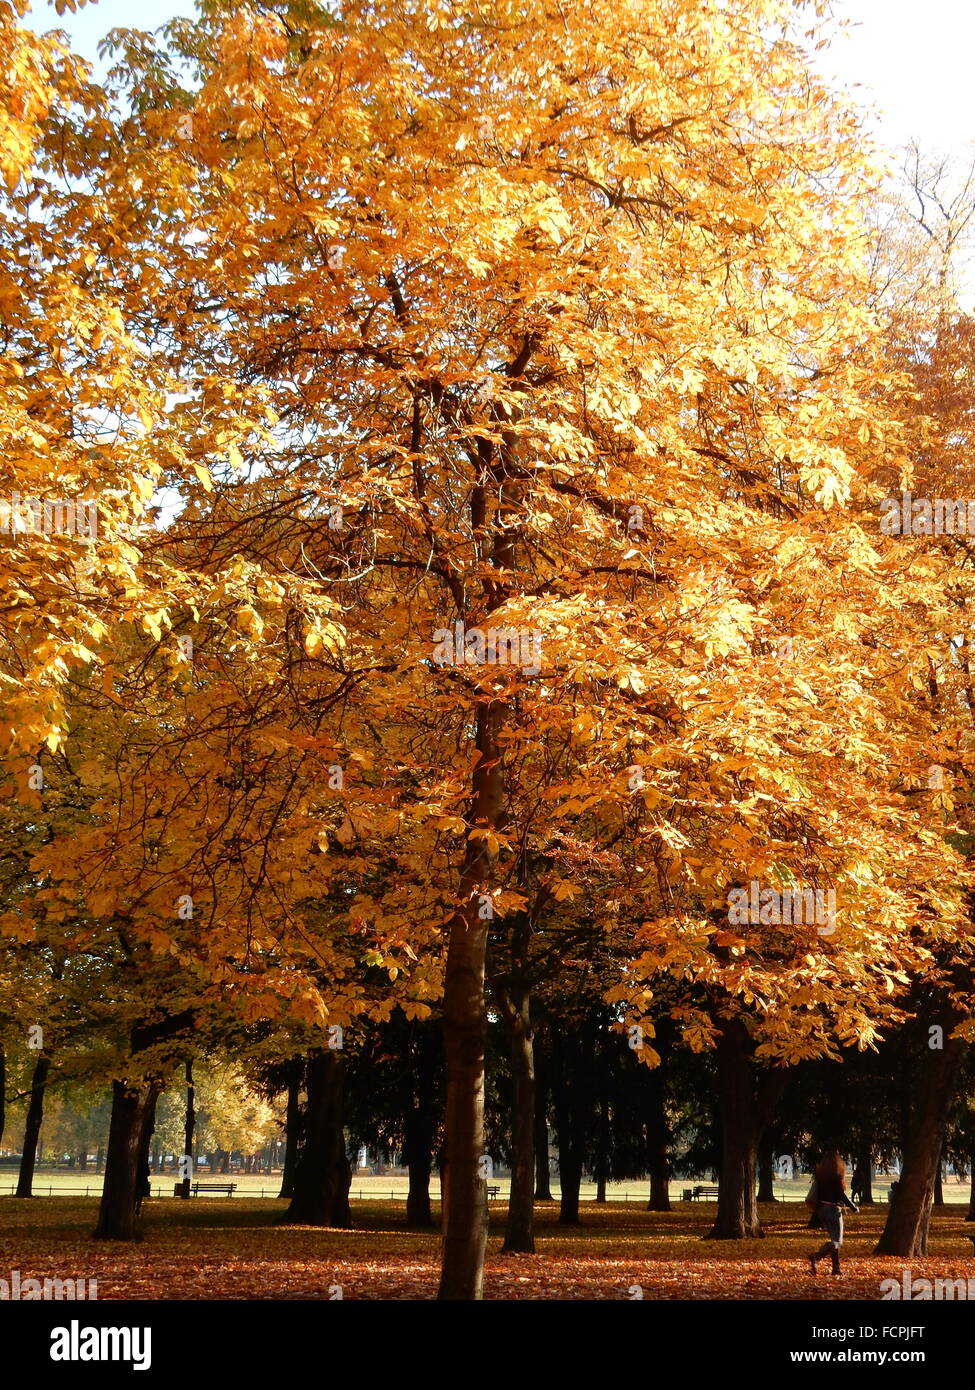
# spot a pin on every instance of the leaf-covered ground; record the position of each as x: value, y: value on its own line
x: 232, y: 1249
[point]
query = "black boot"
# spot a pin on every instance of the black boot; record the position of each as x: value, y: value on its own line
x: 835, y: 1256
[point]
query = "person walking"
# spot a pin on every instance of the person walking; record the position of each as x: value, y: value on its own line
x: 828, y: 1198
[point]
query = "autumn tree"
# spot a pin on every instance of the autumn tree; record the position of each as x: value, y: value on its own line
x: 512, y: 390
x: 925, y: 520
x: 530, y: 354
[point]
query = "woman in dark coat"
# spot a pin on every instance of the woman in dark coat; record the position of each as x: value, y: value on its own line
x: 831, y: 1198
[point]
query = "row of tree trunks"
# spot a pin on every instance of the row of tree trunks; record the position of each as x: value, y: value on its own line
x: 323, y: 1173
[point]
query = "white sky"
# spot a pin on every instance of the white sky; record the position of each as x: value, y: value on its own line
x: 93, y: 22
x: 913, y: 59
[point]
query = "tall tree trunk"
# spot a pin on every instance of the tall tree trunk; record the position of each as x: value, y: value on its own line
x: 441, y: 1162
x: 465, y: 1028
x: 131, y: 1127
x: 419, y: 1160
x: 746, y: 1105
x: 519, y: 1232
x: 905, y: 1090
x: 939, y: 1194
x: 602, y: 1150
x: 292, y: 1128
x: 570, y: 1180
x: 189, y: 1125
x: 323, y: 1174
x: 659, y: 1199
x: 142, y: 1189
x: 658, y: 1141
x: 132, y: 1110
x: 419, y: 1129
x: 862, y: 1181
x: 906, y: 1230
x: 543, y: 1172
x: 766, y: 1170
x: 32, y: 1127
x: 570, y: 1120
x: 737, y: 1217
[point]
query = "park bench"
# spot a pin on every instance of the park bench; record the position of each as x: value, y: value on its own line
x: 693, y: 1194
x: 229, y: 1187
x: 493, y: 1192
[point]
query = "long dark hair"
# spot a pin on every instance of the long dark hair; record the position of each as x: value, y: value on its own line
x: 831, y: 1166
